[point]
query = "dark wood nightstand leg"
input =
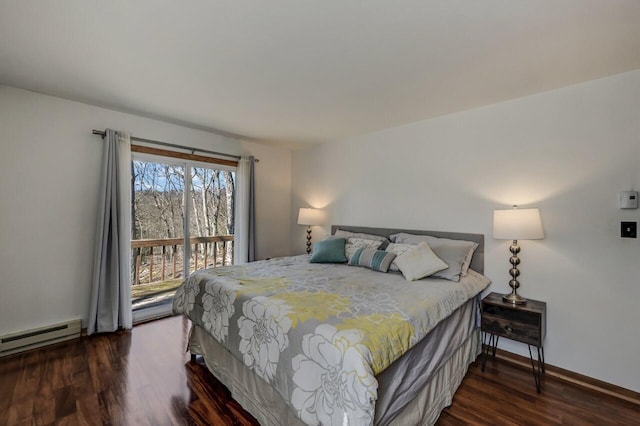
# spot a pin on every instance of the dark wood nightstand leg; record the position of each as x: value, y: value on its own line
x: 537, y: 372
x: 486, y: 339
x: 489, y: 344
x: 484, y: 351
x: 494, y: 345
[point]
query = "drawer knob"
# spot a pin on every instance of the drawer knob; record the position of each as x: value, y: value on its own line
x: 509, y: 329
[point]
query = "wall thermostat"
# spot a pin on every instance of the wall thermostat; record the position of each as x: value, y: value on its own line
x: 628, y: 200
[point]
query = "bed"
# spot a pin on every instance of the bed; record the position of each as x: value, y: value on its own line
x: 315, y: 343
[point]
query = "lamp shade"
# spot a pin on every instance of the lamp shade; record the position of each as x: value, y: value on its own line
x: 517, y: 224
x: 310, y: 217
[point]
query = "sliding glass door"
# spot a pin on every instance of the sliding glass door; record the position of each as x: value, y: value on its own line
x: 182, y: 220
x: 211, y: 217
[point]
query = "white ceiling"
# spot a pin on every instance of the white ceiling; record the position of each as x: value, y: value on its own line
x: 294, y: 71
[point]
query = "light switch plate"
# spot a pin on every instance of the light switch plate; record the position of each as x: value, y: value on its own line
x: 629, y: 200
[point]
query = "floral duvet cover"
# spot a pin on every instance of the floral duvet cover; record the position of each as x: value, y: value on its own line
x: 319, y: 333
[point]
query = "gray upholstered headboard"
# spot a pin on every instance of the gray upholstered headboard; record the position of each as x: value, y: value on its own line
x: 477, y: 263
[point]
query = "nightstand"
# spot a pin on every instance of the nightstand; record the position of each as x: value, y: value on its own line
x: 522, y: 323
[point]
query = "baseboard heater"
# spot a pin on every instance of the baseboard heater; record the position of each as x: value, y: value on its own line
x: 37, y: 337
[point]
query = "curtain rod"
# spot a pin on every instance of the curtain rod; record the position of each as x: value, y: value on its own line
x: 103, y: 133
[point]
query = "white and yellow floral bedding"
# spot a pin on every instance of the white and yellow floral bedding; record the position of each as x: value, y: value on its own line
x: 319, y: 333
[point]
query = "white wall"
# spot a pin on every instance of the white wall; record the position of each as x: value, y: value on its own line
x: 49, y: 177
x: 568, y: 152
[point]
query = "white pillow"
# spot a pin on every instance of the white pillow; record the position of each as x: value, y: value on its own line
x: 353, y: 244
x: 419, y: 262
x: 398, y: 249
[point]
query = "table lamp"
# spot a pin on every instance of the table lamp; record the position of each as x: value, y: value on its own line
x: 516, y: 224
x: 309, y: 217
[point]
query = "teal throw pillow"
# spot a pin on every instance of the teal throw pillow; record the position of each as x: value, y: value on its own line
x: 329, y: 251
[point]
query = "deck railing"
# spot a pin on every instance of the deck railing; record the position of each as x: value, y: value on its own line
x: 205, y: 252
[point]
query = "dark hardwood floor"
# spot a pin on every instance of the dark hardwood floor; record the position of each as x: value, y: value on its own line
x: 144, y: 378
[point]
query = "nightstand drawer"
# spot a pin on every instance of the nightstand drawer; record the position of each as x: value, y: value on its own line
x: 519, y: 331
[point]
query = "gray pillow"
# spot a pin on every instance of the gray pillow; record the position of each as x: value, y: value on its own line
x: 455, y: 253
x: 329, y: 251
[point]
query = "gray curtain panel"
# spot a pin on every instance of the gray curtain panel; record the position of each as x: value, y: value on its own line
x: 110, y: 307
x: 252, y: 210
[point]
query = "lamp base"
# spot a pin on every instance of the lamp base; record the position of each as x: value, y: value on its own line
x: 309, y: 240
x: 514, y: 298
